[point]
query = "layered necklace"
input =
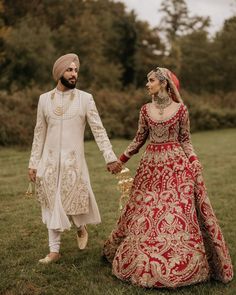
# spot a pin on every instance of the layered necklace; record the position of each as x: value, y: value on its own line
x: 161, y: 102
x: 59, y: 110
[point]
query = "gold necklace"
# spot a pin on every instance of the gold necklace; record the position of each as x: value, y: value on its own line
x: 162, y: 102
x: 59, y: 110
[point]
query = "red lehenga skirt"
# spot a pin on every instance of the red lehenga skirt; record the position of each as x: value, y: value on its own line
x: 167, y: 234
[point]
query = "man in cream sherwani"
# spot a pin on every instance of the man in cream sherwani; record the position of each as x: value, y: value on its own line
x: 57, y: 163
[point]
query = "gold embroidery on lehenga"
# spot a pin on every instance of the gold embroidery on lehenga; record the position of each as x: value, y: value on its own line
x: 167, y: 235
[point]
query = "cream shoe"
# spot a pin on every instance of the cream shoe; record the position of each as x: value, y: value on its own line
x: 82, y: 238
x: 48, y: 259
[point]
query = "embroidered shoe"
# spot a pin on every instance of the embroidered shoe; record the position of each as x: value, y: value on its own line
x: 82, y: 238
x: 48, y: 259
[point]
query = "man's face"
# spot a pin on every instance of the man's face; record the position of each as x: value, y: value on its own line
x: 70, y: 76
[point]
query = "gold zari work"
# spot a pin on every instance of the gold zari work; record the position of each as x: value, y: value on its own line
x: 167, y: 234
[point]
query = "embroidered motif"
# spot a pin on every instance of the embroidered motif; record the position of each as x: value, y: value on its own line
x: 99, y: 132
x: 39, y: 136
x: 46, y: 185
x: 174, y: 129
x: 167, y: 235
x: 74, y: 191
x: 60, y: 171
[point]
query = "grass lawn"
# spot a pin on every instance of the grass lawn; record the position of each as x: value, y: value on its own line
x: 23, y: 237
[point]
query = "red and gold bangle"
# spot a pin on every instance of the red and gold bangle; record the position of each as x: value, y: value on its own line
x: 123, y: 158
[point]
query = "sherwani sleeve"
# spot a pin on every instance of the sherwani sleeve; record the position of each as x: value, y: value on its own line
x: 99, y: 132
x: 185, y: 137
x: 39, y: 137
x: 139, y: 139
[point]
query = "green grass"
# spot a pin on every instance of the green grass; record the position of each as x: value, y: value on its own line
x: 23, y: 237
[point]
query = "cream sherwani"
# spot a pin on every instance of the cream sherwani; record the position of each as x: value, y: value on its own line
x: 58, y: 155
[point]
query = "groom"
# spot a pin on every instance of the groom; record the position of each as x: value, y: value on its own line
x: 57, y: 163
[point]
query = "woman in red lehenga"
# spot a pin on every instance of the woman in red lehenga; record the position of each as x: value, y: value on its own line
x: 167, y: 235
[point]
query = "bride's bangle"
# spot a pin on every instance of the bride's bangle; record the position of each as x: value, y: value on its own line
x: 123, y: 158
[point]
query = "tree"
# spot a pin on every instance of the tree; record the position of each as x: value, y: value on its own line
x: 15, y: 10
x: 176, y: 23
x: 225, y: 42
x: 198, y: 57
x: 149, y: 53
x: 29, y: 55
x: 116, y: 50
x: 176, y: 20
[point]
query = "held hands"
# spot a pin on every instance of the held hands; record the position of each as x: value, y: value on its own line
x: 32, y: 174
x: 114, y: 167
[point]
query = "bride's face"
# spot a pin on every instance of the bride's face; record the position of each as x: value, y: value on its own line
x: 153, y: 84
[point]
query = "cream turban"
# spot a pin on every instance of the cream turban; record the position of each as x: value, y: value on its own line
x: 62, y: 64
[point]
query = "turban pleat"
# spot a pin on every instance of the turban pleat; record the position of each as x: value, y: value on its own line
x: 62, y: 64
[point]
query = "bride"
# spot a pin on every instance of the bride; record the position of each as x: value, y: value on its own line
x: 167, y: 235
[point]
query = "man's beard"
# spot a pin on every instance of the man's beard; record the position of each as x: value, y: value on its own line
x: 67, y: 83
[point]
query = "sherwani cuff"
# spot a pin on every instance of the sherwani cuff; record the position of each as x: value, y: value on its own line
x: 33, y: 165
x: 109, y: 156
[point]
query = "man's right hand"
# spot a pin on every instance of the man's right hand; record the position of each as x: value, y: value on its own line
x: 32, y: 174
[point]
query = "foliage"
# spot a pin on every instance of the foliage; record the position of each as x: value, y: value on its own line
x: 116, y: 51
x: 24, y: 46
x: 105, y: 36
x: 201, y: 74
x: 211, y: 111
x: 204, y: 63
x: 176, y: 20
x: 17, y: 116
x: 225, y: 43
x: 119, y: 111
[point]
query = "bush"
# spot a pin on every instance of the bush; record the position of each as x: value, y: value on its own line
x: 119, y: 112
x: 211, y: 111
x: 17, y: 117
